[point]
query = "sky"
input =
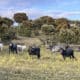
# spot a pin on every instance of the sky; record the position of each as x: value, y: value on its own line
x: 36, y: 8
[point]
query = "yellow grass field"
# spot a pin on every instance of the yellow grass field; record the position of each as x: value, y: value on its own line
x: 51, y: 66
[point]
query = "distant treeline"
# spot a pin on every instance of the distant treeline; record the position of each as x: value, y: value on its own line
x: 46, y: 28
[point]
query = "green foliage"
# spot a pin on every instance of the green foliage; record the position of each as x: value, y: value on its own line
x: 47, y: 20
x: 23, y: 31
x: 62, y: 23
x: 5, y: 38
x: 28, y: 29
x: 44, y: 20
x: 76, y: 30
x: 27, y: 33
x: 9, y: 35
x: 27, y: 24
x: 20, y: 17
x: 56, y: 30
x: 5, y: 24
x: 7, y: 21
x: 67, y: 36
x: 3, y: 30
x: 1, y: 21
x: 37, y: 23
x: 47, y: 29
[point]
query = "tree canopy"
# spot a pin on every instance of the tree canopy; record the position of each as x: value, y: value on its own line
x: 55, y: 30
x: 20, y: 17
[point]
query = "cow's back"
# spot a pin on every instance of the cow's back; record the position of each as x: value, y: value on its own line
x: 69, y: 51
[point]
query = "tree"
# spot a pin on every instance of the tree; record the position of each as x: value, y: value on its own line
x: 37, y: 23
x: 3, y: 28
x: 20, y: 17
x: 1, y: 21
x: 29, y: 27
x: 26, y: 28
x: 76, y: 30
x: 8, y: 21
x: 62, y: 23
x: 23, y: 31
x: 5, y: 25
x: 47, y: 20
x: 67, y: 36
x: 74, y: 23
x: 43, y: 20
x: 47, y: 29
x: 27, y: 24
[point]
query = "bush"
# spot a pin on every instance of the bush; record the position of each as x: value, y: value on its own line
x: 47, y: 29
x: 67, y: 36
x: 5, y: 38
x: 25, y: 32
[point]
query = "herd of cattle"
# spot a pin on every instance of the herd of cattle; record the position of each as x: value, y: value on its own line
x: 15, y: 48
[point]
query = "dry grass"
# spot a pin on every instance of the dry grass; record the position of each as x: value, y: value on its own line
x: 28, y: 41
x: 49, y: 67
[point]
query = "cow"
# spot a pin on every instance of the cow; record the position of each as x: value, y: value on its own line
x: 55, y: 48
x: 21, y: 47
x: 1, y: 46
x: 13, y: 48
x: 34, y: 51
x: 67, y: 52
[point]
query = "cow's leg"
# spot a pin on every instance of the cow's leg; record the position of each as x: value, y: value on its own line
x: 70, y: 56
x: 0, y: 49
x: 16, y: 51
x: 74, y: 57
x: 13, y: 51
x: 64, y: 57
x: 38, y: 56
x: 9, y: 50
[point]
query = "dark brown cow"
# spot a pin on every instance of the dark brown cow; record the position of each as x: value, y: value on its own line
x: 34, y: 51
x: 68, y: 52
x: 13, y: 48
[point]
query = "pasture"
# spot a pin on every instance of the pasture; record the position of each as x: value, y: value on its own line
x: 51, y: 66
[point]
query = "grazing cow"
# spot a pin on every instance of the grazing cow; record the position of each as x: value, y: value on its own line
x: 12, y: 48
x: 1, y: 46
x: 34, y: 51
x: 21, y: 47
x: 68, y: 52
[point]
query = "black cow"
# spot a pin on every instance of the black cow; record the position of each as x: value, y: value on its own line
x: 13, y: 48
x: 34, y: 51
x: 68, y: 52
